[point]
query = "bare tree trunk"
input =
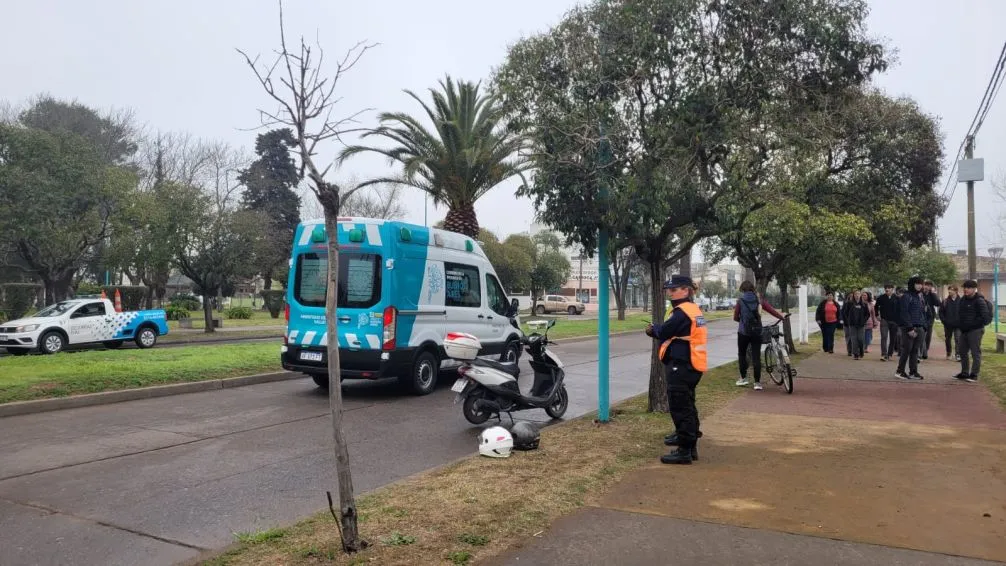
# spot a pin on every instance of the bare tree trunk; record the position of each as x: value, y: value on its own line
x: 329, y: 196
x: 787, y: 326
x: 658, y: 383
x: 208, y: 314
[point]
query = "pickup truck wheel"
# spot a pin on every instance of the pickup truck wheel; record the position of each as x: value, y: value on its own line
x: 540, y: 310
x: 571, y: 311
x: 112, y: 344
x: 51, y: 343
x: 146, y: 338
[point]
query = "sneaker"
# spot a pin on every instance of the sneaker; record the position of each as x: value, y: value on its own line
x: 742, y: 382
x: 901, y: 375
x: 757, y: 387
x: 960, y: 376
x: 972, y: 378
x: 916, y: 375
x: 856, y: 358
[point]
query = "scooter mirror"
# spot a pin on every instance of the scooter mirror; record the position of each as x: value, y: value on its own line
x: 551, y: 323
x: 514, y: 307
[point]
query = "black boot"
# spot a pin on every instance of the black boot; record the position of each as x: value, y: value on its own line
x: 695, y: 452
x: 683, y: 455
x: 673, y: 440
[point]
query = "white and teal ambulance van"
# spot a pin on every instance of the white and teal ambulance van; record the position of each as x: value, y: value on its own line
x: 402, y: 288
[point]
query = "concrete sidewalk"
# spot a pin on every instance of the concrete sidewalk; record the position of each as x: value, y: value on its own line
x: 856, y: 467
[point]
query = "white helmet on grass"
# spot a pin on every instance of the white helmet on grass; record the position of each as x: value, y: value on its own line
x: 495, y: 442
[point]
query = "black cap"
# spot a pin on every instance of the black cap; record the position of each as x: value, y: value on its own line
x: 678, y: 281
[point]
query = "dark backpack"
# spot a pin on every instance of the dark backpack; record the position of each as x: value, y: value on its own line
x: 751, y: 324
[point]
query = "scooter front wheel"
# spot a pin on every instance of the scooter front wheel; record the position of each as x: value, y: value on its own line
x: 472, y: 414
x: 558, y: 407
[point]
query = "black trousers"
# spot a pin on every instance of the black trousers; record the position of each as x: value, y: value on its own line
x: 746, y: 344
x: 682, y: 380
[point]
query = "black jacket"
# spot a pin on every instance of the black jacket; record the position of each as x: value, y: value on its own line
x: 887, y: 307
x: 931, y: 302
x: 855, y: 313
x: 912, y: 310
x: 950, y: 313
x: 677, y: 325
x: 974, y: 313
x: 819, y: 316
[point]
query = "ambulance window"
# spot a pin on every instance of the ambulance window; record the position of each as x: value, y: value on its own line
x: 359, y: 280
x: 496, y: 296
x: 463, y: 287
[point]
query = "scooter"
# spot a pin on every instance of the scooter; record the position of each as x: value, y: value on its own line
x: 489, y: 388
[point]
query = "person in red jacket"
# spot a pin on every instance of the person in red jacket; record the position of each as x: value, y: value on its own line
x: 748, y: 316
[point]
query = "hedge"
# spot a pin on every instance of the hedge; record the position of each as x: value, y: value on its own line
x: 274, y: 301
x: 16, y: 299
x: 133, y: 296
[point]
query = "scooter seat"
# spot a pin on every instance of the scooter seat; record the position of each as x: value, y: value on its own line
x: 507, y: 368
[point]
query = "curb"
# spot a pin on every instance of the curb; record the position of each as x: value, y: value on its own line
x: 108, y: 397
x: 588, y: 337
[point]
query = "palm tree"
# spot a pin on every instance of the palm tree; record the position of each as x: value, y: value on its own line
x: 468, y: 154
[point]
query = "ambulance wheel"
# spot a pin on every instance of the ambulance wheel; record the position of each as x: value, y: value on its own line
x: 112, y: 344
x: 511, y: 352
x: 52, y: 342
x: 321, y: 380
x: 422, y: 380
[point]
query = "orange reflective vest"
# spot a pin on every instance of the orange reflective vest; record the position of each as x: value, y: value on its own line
x: 696, y: 339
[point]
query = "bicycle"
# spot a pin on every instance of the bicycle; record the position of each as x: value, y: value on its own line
x: 777, y: 361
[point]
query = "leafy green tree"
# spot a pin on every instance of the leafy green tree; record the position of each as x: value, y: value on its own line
x: 269, y: 185
x: 714, y: 289
x: 924, y: 262
x: 467, y: 153
x: 58, y: 196
x: 550, y: 267
x: 112, y: 135
x: 689, y: 95
x: 512, y: 259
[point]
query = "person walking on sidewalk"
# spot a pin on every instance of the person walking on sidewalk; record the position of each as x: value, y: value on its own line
x: 872, y: 322
x: 975, y: 313
x: 887, y: 311
x: 683, y: 351
x: 950, y: 317
x: 855, y: 314
x: 749, y: 330
x: 913, y: 329
x: 828, y: 318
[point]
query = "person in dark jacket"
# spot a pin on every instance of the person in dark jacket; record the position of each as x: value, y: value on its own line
x: 683, y: 349
x: 913, y: 329
x: 855, y: 313
x: 887, y: 310
x: 828, y: 317
x: 749, y: 307
x: 931, y: 302
x: 950, y: 317
x: 974, y: 315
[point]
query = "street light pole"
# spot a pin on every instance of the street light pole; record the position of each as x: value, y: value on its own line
x: 996, y: 254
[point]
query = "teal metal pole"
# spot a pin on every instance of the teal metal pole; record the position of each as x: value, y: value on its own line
x: 603, y: 309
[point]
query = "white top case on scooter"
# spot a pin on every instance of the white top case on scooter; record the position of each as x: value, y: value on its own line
x: 461, y: 346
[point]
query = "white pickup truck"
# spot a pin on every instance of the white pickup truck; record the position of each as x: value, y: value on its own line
x: 81, y: 321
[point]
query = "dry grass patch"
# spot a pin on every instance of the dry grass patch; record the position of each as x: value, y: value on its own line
x: 477, y: 508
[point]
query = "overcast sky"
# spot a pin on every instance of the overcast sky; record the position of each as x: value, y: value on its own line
x: 175, y: 65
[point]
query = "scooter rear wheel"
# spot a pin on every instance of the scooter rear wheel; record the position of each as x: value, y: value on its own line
x: 558, y: 407
x: 473, y: 415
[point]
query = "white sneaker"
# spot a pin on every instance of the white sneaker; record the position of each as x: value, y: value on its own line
x: 757, y: 387
x: 743, y: 382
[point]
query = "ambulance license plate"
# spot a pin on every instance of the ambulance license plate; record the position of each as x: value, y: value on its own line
x: 311, y: 356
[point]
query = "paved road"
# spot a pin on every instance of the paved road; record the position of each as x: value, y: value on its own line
x: 158, y: 480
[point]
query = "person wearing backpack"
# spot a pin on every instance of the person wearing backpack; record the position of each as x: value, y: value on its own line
x: 747, y: 314
x: 855, y: 314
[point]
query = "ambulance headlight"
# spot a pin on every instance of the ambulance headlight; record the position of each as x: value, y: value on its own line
x: 26, y: 328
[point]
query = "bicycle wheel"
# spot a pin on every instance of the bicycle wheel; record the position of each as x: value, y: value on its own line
x: 771, y: 365
x: 788, y: 372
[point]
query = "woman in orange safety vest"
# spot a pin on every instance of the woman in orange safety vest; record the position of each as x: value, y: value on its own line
x: 683, y: 351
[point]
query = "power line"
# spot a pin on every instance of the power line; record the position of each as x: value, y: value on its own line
x: 991, y: 90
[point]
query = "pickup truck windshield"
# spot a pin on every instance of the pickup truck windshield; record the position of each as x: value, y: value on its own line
x: 55, y: 310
